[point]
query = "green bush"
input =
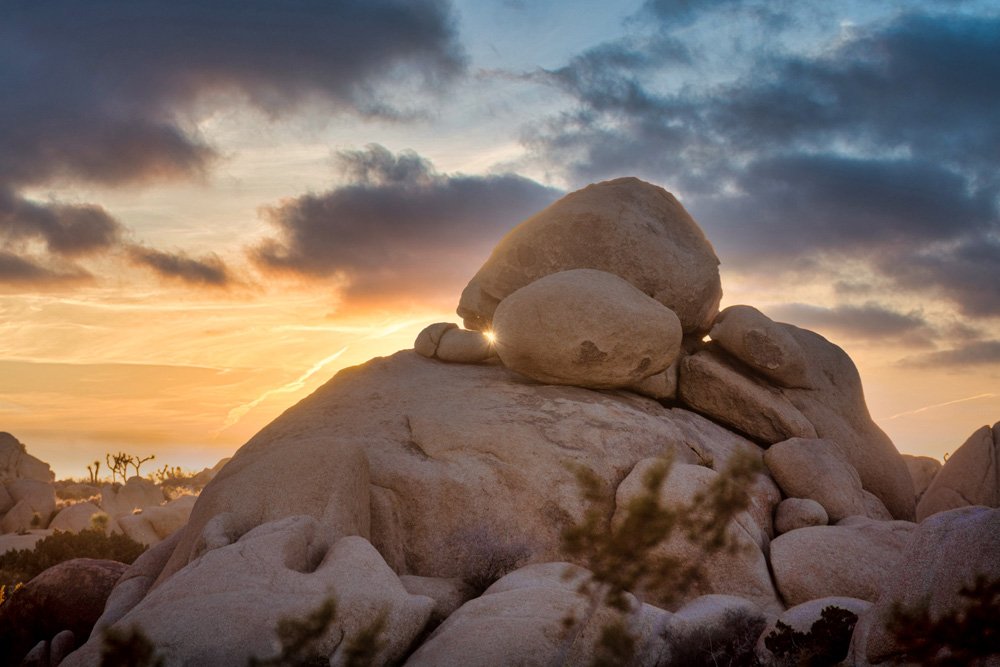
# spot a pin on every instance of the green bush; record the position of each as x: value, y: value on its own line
x: 20, y: 565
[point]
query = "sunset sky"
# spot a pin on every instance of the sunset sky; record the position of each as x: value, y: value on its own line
x: 208, y: 208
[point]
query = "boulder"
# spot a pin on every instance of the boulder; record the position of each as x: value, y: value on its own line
x: 586, y: 328
x: 20, y: 518
x: 283, y: 569
x: 970, y: 476
x: 801, y: 618
x: 922, y: 471
x: 523, y: 622
x: 166, y: 519
x: 67, y: 596
x: 948, y: 551
x: 79, y: 517
x: 713, y: 386
x: 875, y: 508
x: 661, y: 386
x: 742, y: 572
x: 40, y: 496
x: 816, y: 469
x: 713, y: 630
x: 138, y: 527
x: 430, y: 337
x: 445, y: 341
x: 136, y: 493
x: 762, y: 344
x: 626, y: 227
x: 795, y: 513
x: 454, y: 470
x: 851, y: 559
x: 17, y: 463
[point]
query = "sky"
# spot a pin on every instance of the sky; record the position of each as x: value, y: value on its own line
x: 208, y: 208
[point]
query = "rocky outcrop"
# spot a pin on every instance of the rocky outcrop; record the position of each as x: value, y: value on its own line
x: 83, y: 516
x: 922, y: 469
x: 970, y: 476
x: 632, y: 229
x: 585, y: 328
x: 802, y: 618
x: 17, y: 463
x: 763, y: 345
x: 121, y: 499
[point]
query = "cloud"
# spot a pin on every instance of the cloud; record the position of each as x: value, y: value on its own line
x: 23, y: 271
x: 398, y: 225
x: 870, y: 320
x: 111, y: 93
x: 207, y: 271
x: 972, y: 354
x: 878, y: 146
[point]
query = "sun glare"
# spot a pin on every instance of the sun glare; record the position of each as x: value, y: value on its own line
x: 491, y: 337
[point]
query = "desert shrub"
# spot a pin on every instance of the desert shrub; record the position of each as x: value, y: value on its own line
x: 622, y: 556
x: 966, y: 635
x: 826, y: 643
x: 128, y: 648
x: 22, y: 564
x: 487, y: 554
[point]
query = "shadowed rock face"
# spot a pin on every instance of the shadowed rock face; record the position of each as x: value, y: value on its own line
x: 629, y: 228
x: 971, y: 476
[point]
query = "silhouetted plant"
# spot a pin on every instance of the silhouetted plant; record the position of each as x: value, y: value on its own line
x: 94, y: 472
x: 128, y: 648
x: 966, y: 635
x: 622, y: 555
x: 826, y: 642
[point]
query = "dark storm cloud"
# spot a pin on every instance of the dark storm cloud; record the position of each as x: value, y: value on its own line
x: 883, y: 148
x: 105, y: 90
x: 970, y: 355
x: 398, y: 225
x: 207, y: 271
x: 870, y: 320
x: 18, y: 270
x: 66, y: 230
x: 111, y: 92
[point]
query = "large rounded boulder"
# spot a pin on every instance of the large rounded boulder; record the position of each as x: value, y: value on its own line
x: 586, y: 328
x: 627, y: 227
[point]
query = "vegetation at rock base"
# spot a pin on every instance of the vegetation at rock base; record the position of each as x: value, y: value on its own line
x: 623, y: 556
x: 128, y: 648
x: 826, y: 643
x: 963, y: 636
x: 21, y: 565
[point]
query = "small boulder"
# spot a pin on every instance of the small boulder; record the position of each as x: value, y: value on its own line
x: 970, y: 476
x: 948, y: 551
x: 448, y: 594
x: 852, y: 559
x: 67, y: 596
x: 445, y: 341
x: 795, y: 513
x: 6, y: 502
x: 586, y: 328
x: 138, y: 527
x: 80, y: 516
x: 20, y: 518
x: 762, y: 344
x: 661, y: 386
x: 818, y: 470
x: 430, y: 337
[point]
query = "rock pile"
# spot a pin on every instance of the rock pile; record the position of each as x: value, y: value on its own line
x: 433, y: 486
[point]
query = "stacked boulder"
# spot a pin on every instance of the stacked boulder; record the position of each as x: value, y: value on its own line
x: 27, y: 495
x: 432, y: 488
